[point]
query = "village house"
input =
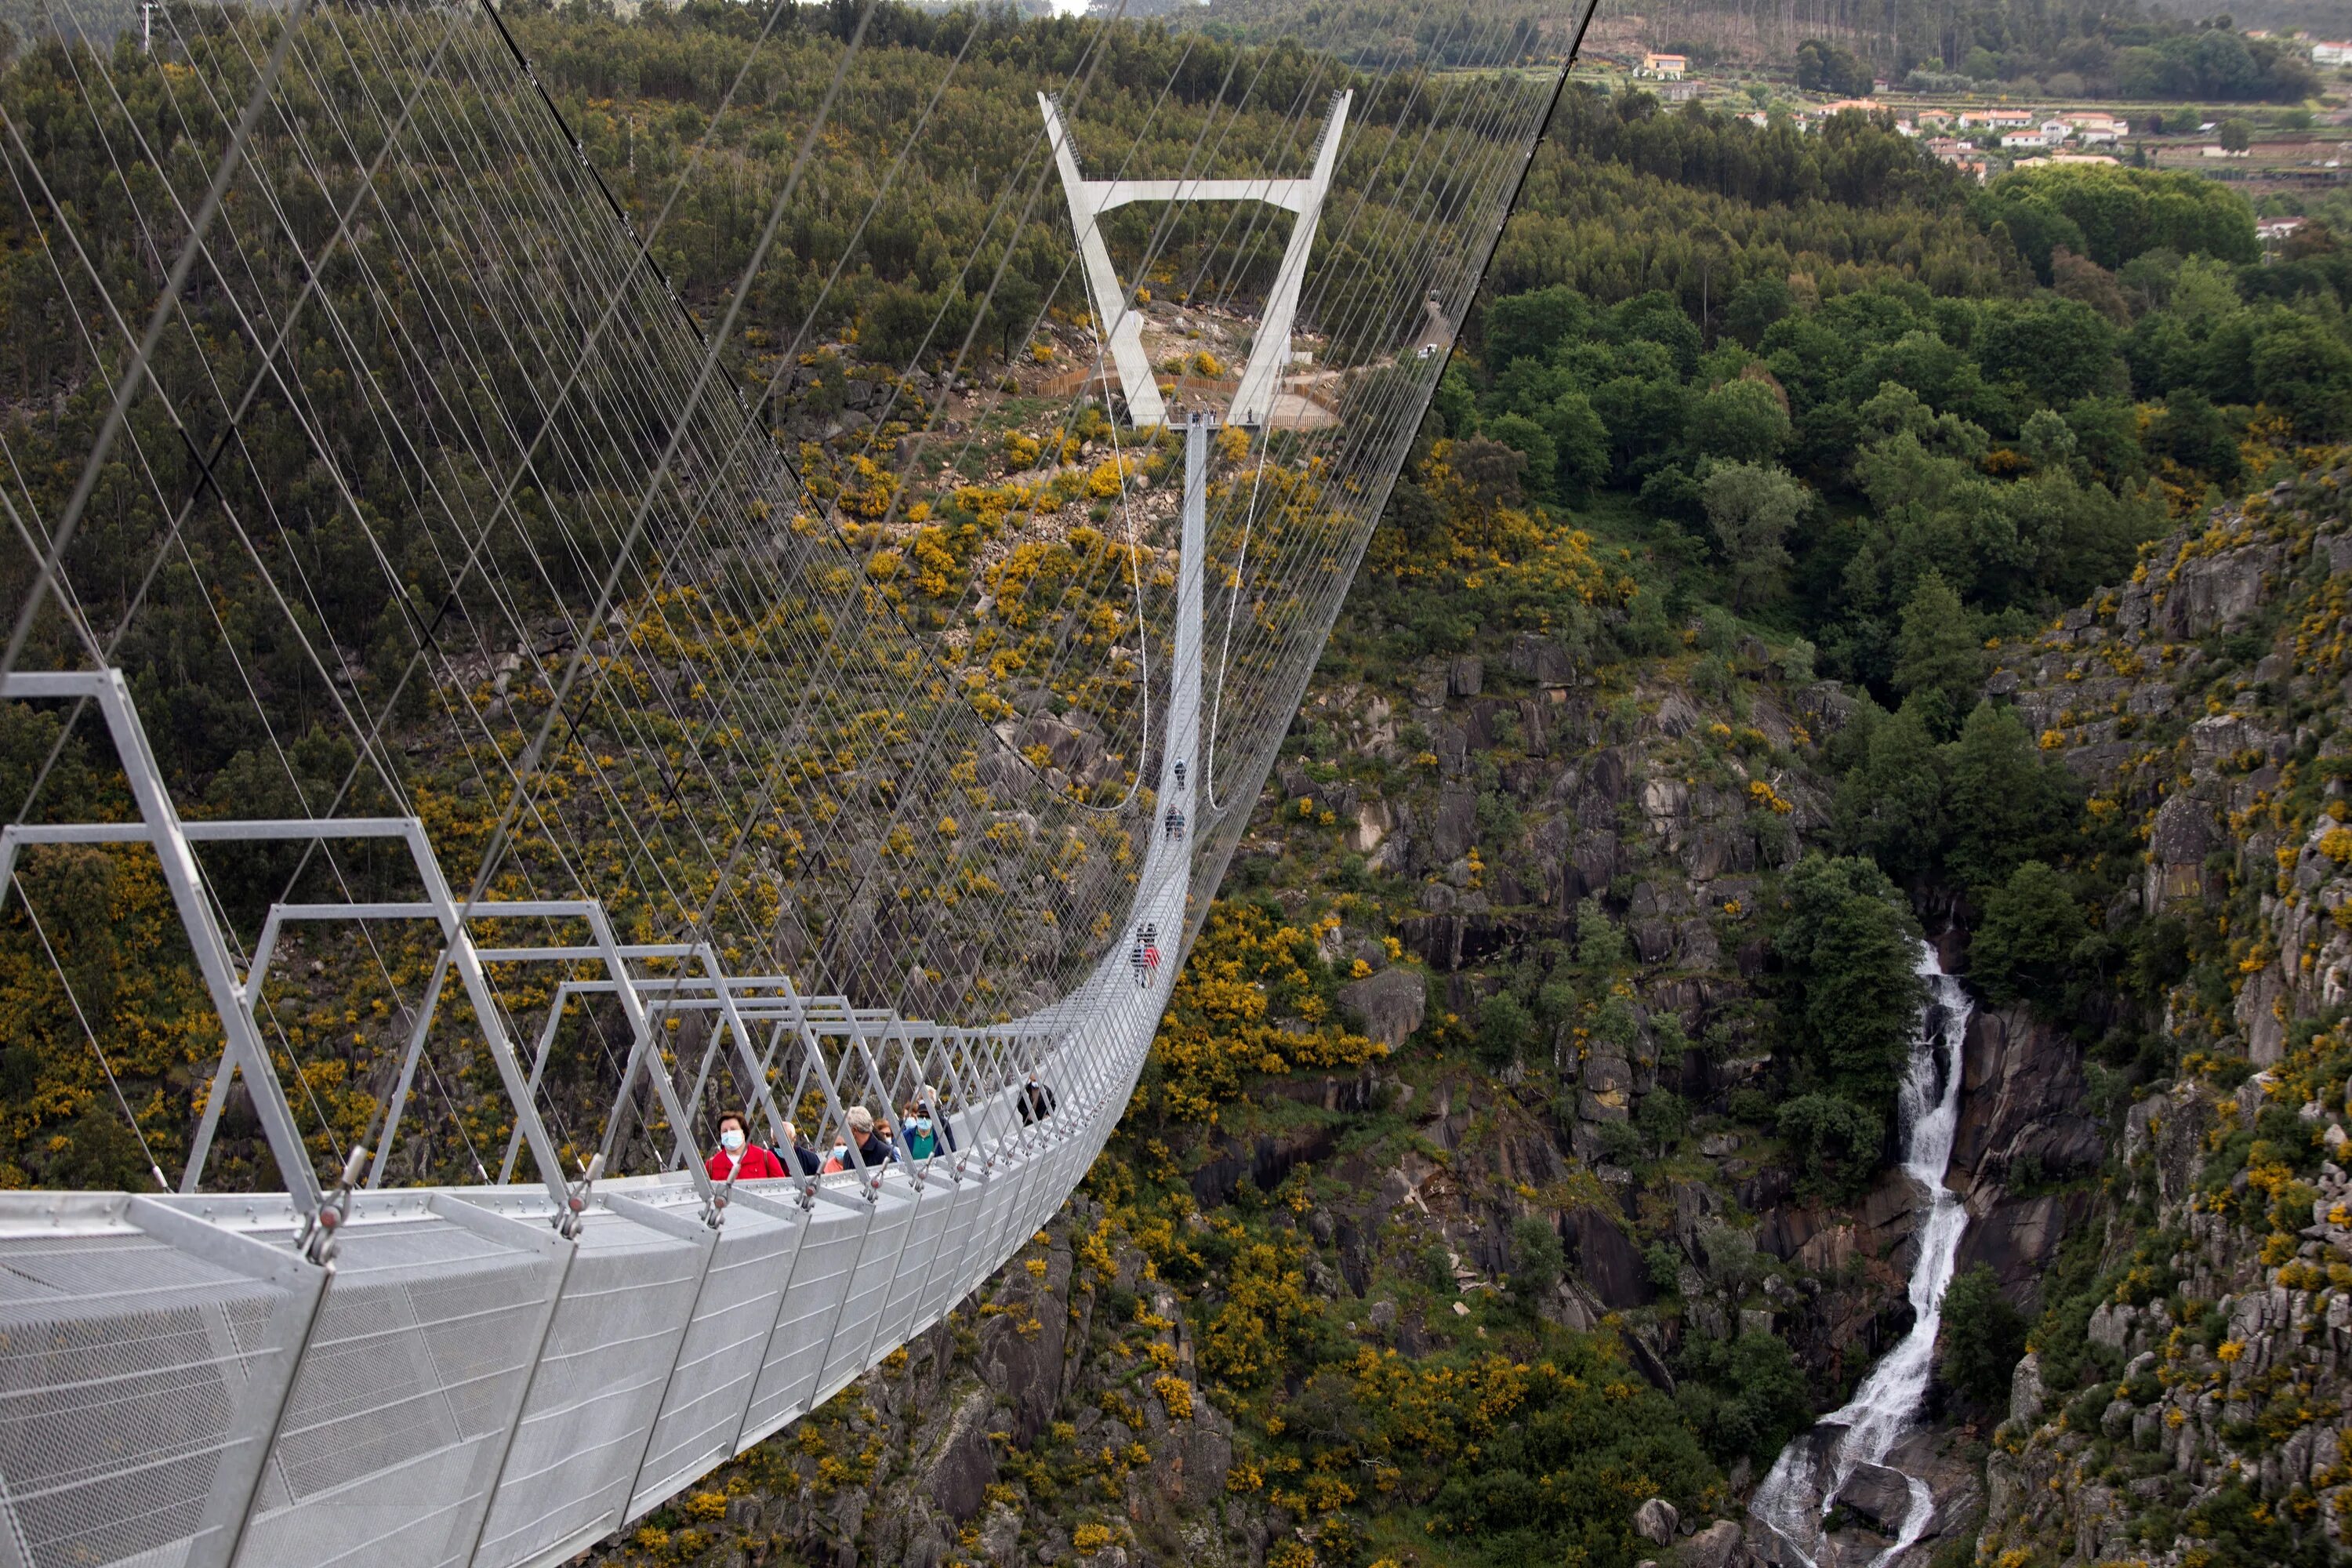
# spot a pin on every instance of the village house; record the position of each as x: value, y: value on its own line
x: 1662, y: 68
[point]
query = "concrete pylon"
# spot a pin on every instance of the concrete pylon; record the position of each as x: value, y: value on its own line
x: 1121, y: 327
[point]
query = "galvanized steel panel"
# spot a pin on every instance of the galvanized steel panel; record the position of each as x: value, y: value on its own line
x: 597, y: 1390
x: 423, y: 1346
x: 123, y: 1359
x: 719, y: 1360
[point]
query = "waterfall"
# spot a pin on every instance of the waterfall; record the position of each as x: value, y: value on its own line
x: 1805, y: 1480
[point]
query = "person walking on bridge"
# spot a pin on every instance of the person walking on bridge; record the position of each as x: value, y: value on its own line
x: 738, y: 1160
x: 874, y: 1144
x: 941, y: 1126
x: 796, y: 1152
x: 1037, y: 1101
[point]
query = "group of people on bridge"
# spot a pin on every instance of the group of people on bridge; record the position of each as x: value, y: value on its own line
x: 922, y: 1131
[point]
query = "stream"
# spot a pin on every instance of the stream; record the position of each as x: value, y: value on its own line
x: 1805, y: 1480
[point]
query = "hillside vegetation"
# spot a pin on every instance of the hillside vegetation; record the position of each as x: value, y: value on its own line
x: 1546, y: 1039
x: 1518, y: 1149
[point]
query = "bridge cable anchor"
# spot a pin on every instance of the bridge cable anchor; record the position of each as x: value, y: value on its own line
x: 318, y: 1241
x: 575, y: 1199
x: 714, y: 1212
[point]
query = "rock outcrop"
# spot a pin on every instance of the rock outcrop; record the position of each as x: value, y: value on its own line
x: 907, y: 1465
x: 2204, y: 1372
x: 2025, y: 1133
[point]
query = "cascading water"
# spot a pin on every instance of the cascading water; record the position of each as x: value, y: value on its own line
x: 1804, y: 1481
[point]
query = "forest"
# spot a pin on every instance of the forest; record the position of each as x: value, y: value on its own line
x: 1765, y: 407
x: 1816, y: 386
x: 2072, y: 49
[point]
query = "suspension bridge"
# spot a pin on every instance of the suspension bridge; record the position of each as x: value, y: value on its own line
x: 425, y: 614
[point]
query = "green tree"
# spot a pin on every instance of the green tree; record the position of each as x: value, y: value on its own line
x: 1751, y: 508
x: 2303, y: 371
x: 2122, y: 213
x: 2195, y: 435
x: 1744, y: 1397
x: 1454, y: 402
x: 1013, y: 310
x: 1505, y: 1030
x: 1600, y: 941
x: 898, y: 326
x: 1937, y: 649
x: 2235, y: 134
x: 1530, y: 325
x: 1658, y: 317
x: 1833, y: 1142
x: 1754, y: 306
x: 2048, y: 441
x: 2053, y: 350
x: 1536, y: 1257
x: 2106, y: 438
x: 1892, y: 806
x: 1741, y: 421
x: 1581, y: 441
x: 1523, y: 435
x: 1662, y: 1118
x: 2031, y: 926
x: 1826, y: 67
x: 2008, y: 802
x: 1850, y: 993
x: 1981, y: 1339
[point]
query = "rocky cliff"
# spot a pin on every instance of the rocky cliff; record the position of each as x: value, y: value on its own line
x: 1538, y: 886
x: 2187, y: 1402
x: 1435, y: 842
x: 1067, y: 1375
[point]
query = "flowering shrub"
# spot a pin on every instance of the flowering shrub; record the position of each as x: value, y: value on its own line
x: 1248, y: 968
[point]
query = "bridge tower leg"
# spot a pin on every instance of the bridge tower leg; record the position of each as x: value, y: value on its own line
x: 1269, y: 353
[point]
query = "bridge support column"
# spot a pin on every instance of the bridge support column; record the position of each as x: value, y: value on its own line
x: 1120, y: 327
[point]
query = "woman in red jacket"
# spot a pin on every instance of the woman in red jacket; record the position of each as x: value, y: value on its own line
x: 738, y: 1158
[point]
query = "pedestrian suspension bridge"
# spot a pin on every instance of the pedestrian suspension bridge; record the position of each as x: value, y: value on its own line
x: 478, y: 708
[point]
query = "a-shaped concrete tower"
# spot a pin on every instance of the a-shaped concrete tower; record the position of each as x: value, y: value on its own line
x: 1122, y: 328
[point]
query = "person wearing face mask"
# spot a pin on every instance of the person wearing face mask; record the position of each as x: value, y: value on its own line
x: 809, y: 1160
x: 942, y: 1128
x: 738, y: 1158
x: 922, y: 1143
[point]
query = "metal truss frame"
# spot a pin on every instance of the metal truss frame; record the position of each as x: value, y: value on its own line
x: 1120, y: 327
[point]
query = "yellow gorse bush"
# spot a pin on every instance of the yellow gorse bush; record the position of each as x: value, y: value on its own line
x: 1246, y: 973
